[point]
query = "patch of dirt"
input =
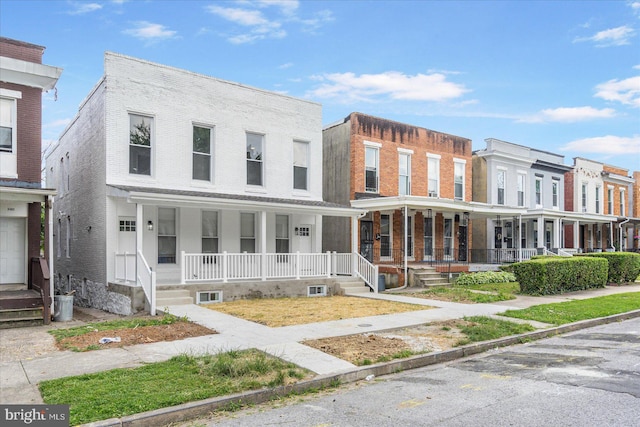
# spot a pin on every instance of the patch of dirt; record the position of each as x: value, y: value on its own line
x: 132, y: 336
x: 376, y: 346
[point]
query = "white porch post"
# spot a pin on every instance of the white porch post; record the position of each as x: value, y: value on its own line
x: 541, y: 236
x: 263, y: 244
x: 520, y: 238
x: 576, y: 234
x: 406, y: 244
x: 139, y: 235
x: 556, y: 232
x: 354, y: 245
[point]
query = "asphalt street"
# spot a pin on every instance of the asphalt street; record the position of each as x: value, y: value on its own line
x: 589, y: 377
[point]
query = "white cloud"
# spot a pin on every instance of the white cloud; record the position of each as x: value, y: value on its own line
x: 285, y: 66
x: 82, y: 8
x: 569, y: 115
x: 605, y: 145
x: 260, y: 27
x: 149, y: 31
x: 625, y: 91
x: 392, y: 84
x: 618, y: 36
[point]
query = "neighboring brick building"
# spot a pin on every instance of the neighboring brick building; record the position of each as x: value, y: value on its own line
x: 23, y: 78
x: 401, y: 174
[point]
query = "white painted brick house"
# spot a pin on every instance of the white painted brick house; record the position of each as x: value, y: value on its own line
x: 191, y: 178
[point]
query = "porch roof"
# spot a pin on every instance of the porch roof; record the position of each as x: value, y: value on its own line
x: 570, y: 216
x: 475, y: 209
x: 154, y: 196
x: 21, y: 194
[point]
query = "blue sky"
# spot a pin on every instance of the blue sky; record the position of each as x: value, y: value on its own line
x: 561, y: 76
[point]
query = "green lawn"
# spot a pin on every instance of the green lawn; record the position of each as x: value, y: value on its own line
x: 466, y: 294
x: 181, y: 379
x: 485, y: 328
x: 573, y: 311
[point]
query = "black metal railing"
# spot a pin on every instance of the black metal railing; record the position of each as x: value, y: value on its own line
x: 430, y: 256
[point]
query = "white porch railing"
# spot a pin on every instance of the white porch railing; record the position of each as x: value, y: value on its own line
x: 528, y: 253
x: 367, y: 271
x: 570, y: 251
x: 245, y: 266
x: 125, y: 266
x: 147, y: 278
x: 564, y: 252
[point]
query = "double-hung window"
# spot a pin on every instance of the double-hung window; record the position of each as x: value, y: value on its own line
x: 140, y: 144
x: 521, y: 186
x: 300, y: 165
x: 597, y: 199
x: 209, y: 232
x: 385, y: 235
x: 404, y: 173
x: 433, y: 174
x: 7, y: 124
x: 610, y: 200
x: 371, y: 163
x: 555, y: 188
x: 247, y: 232
x: 202, y: 153
x: 584, y: 197
x: 622, y: 210
x: 538, y: 191
x: 501, y: 186
x: 282, y: 234
x: 458, y: 179
x: 255, y: 159
x: 166, y: 236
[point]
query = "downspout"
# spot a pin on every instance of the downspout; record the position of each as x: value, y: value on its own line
x: 406, y: 244
x: 610, y: 235
x: 49, y: 206
x: 620, y: 225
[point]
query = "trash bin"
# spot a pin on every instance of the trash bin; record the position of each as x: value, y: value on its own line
x: 62, y: 308
x: 382, y: 286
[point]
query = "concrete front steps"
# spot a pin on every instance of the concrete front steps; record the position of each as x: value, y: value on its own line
x: 354, y: 286
x: 165, y: 298
x: 427, y: 277
x: 21, y: 317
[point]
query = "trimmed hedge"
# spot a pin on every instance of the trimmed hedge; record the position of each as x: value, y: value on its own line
x: 484, y: 277
x: 558, y: 275
x: 624, y: 267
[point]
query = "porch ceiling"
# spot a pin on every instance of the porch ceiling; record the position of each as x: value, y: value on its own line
x: 475, y: 209
x: 161, y: 196
x: 17, y: 194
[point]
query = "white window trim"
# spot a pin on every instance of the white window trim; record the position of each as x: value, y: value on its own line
x: 263, y: 164
x: 405, y: 151
x: 408, y: 153
x: 610, y: 201
x: 555, y: 181
x: 504, y: 188
x: 375, y: 147
x: 152, y: 147
x: 436, y: 157
x: 371, y: 144
x: 462, y: 162
x: 300, y: 191
x: 390, y: 215
x: 541, y: 181
x: 211, y: 128
x: 10, y: 159
x: 623, y: 210
x: 524, y: 187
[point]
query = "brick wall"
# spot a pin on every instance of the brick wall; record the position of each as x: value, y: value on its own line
x: 569, y: 191
x: 636, y: 195
x: 21, y: 50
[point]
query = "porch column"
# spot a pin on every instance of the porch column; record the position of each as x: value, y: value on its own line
x: 354, y: 245
x: 519, y: 238
x: 556, y: 233
x: 406, y: 244
x: 263, y: 244
x: 541, y: 236
x: 576, y: 234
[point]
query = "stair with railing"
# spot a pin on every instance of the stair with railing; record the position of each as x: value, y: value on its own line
x: 428, y: 277
x: 21, y: 309
x: 167, y: 297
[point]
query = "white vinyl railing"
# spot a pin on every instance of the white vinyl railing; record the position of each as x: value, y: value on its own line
x: 367, y: 271
x: 125, y: 266
x: 147, y: 278
x: 563, y: 252
x: 245, y: 266
x: 570, y: 251
x: 528, y: 253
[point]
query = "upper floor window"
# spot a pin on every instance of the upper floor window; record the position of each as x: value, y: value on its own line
x: 584, y: 197
x: 622, y: 211
x: 521, y: 187
x: 371, y: 159
x: 610, y: 200
x: 597, y: 199
x: 7, y: 124
x: 433, y: 172
x: 458, y: 179
x: 140, y: 143
x: 201, y: 153
x: 61, y: 180
x: 300, y: 165
x: 404, y: 174
x: 255, y: 158
x: 501, y: 186
x: 554, y: 193
x: 538, y: 191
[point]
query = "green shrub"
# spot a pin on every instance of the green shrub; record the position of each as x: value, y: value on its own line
x: 624, y: 267
x: 557, y: 275
x: 484, y: 277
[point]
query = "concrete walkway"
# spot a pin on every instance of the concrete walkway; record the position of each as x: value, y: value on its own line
x: 19, y: 379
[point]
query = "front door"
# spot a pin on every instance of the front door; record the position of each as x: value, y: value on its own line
x: 462, y: 243
x: 12, y: 250
x: 304, y: 239
x: 366, y: 240
x: 126, y: 260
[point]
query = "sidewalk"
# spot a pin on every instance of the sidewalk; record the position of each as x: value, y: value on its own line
x: 19, y: 379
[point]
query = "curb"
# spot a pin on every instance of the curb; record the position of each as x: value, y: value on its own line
x: 192, y: 410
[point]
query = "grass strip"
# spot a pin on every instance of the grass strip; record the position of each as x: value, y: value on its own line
x: 463, y: 295
x: 128, y: 323
x: 501, y: 288
x: 482, y: 328
x: 181, y: 379
x: 574, y: 311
